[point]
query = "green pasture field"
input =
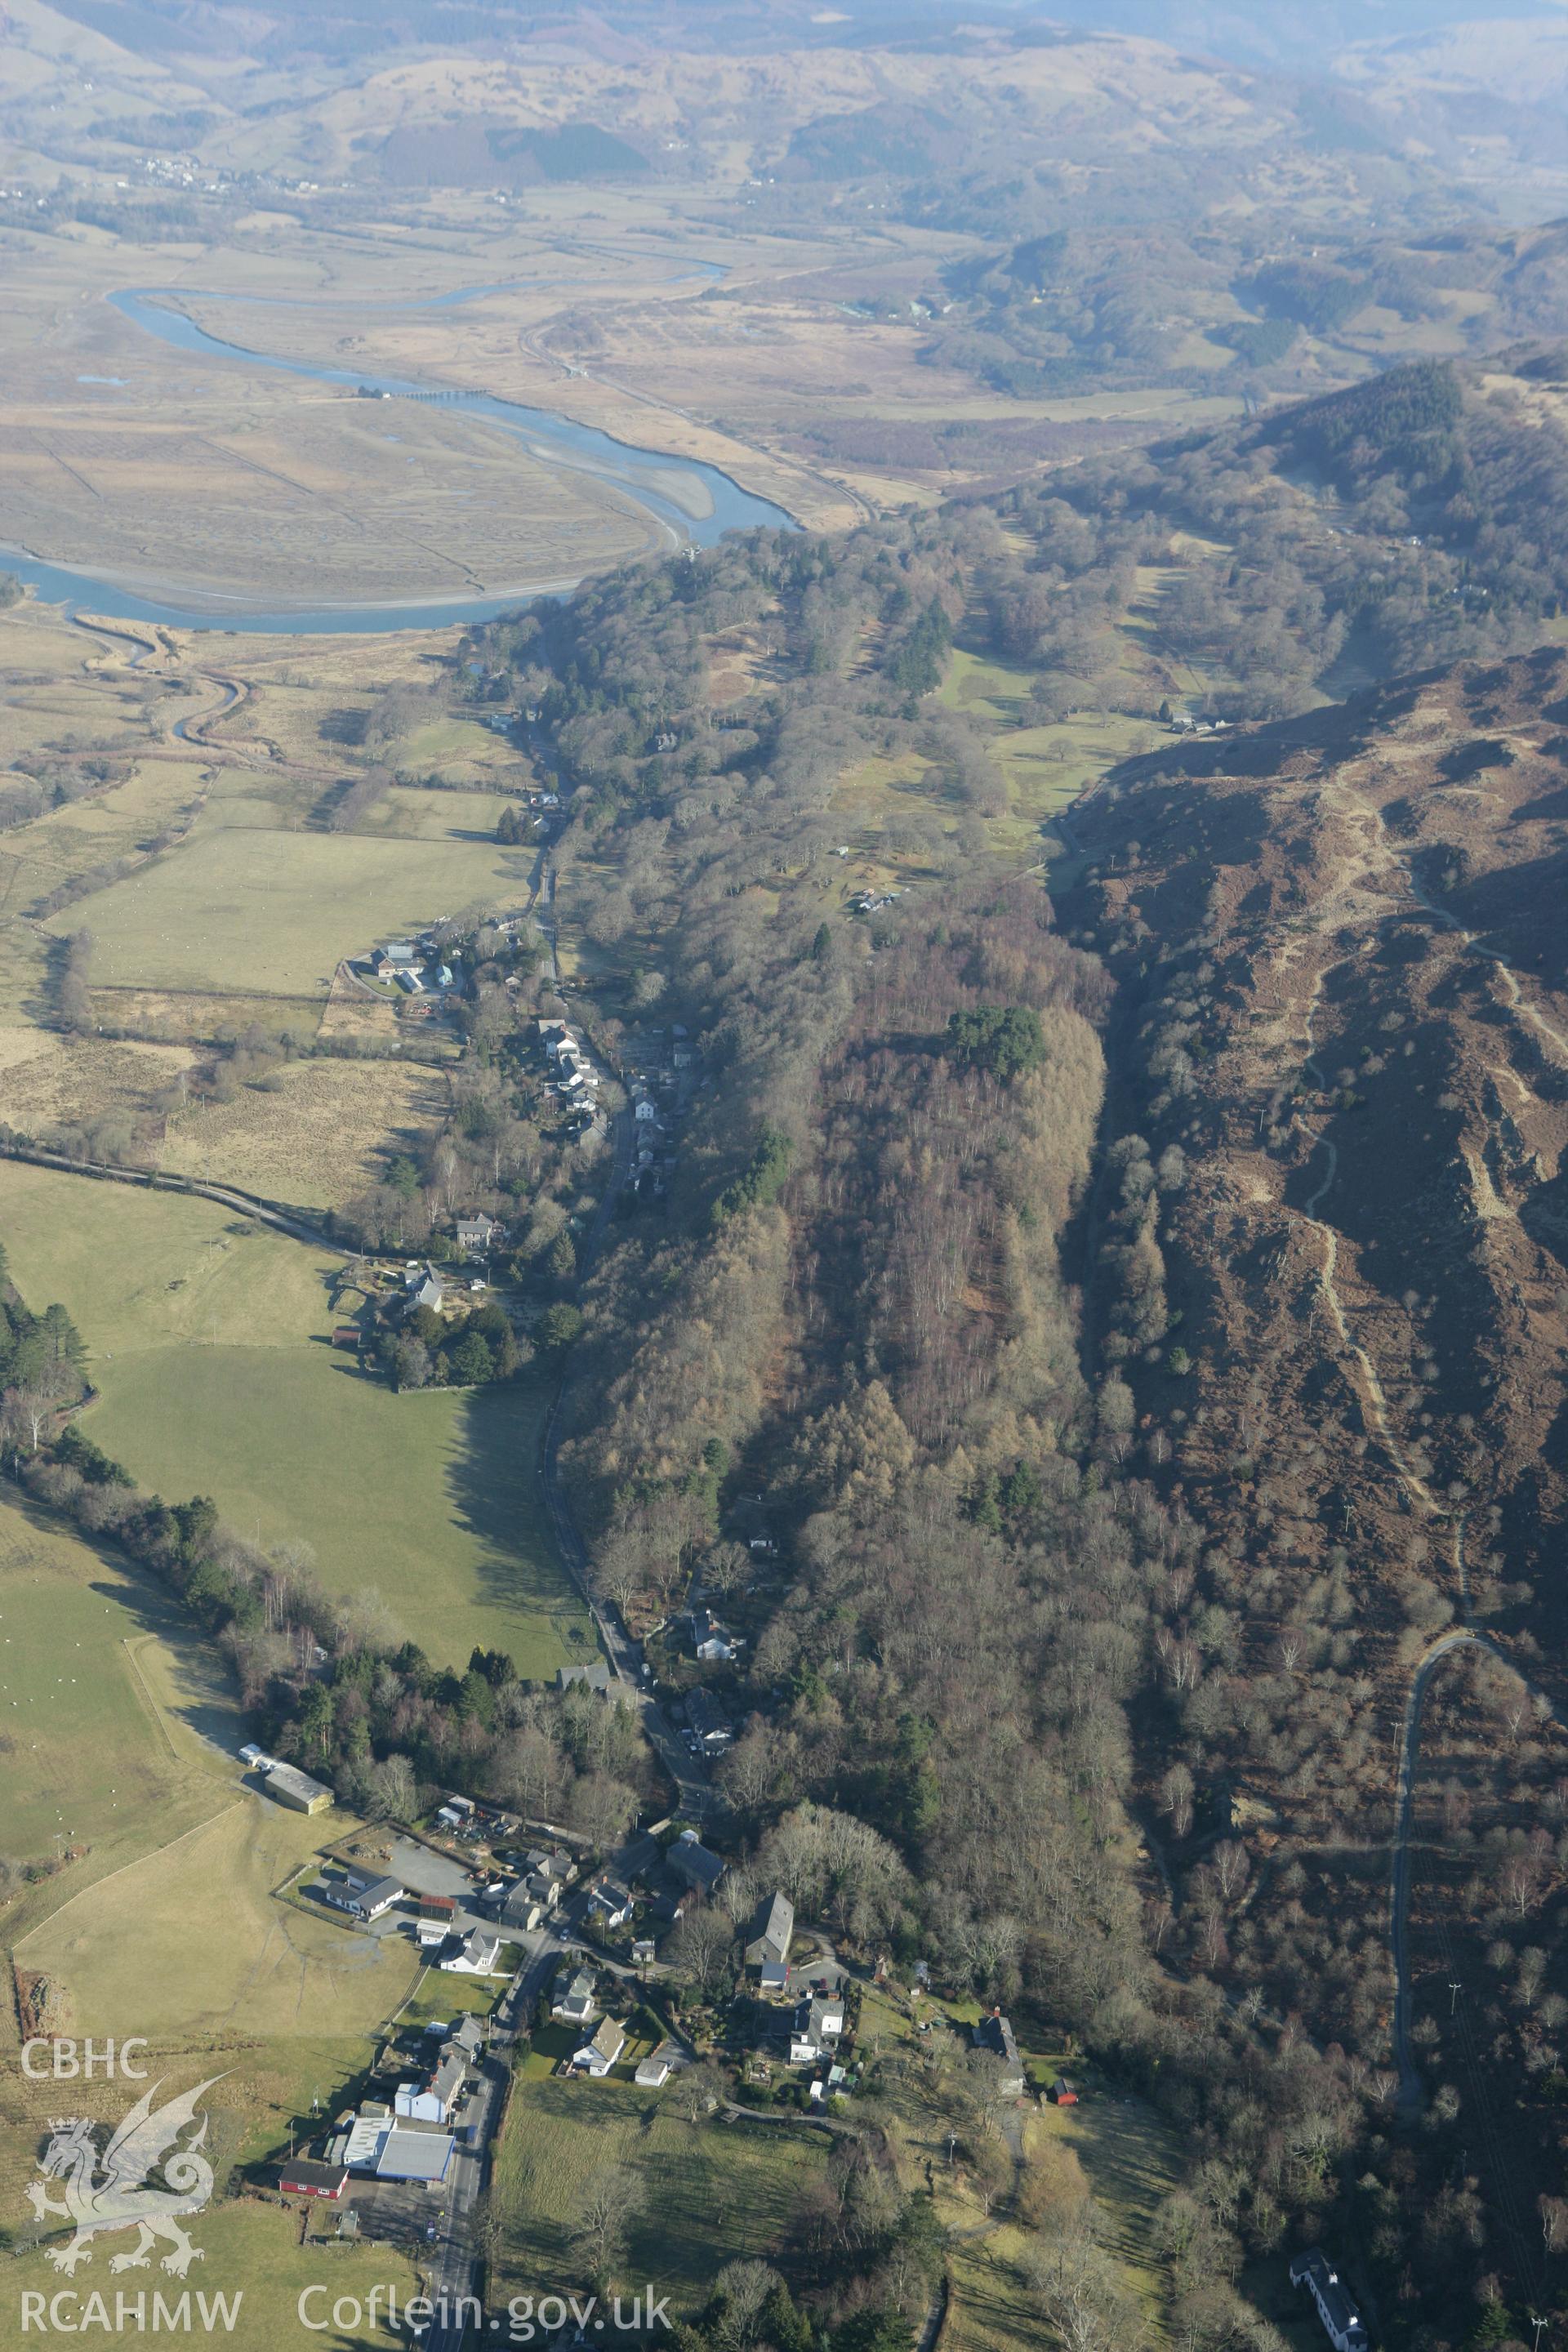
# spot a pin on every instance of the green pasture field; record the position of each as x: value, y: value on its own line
x: 249, y: 800
x: 90, y: 1761
x: 190, y: 1942
x: 453, y: 742
x: 430, y: 1499
x: 314, y: 1135
x: 1087, y: 743
x: 121, y: 1731
x: 1043, y: 769
x: 272, y: 913
x: 1047, y: 767
x: 189, y: 1945
x: 209, y: 1341
x: 711, y: 2194
x: 973, y: 679
x: 251, y: 2250
x: 406, y: 813
x: 1152, y: 583
x: 1116, y: 2150
x: 114, y: 823
x: 441, y: 1998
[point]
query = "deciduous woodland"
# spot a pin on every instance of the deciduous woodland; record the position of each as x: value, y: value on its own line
x: 1123, y: 1709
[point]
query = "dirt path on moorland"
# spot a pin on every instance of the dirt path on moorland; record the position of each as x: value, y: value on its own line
x: 1381, y: 853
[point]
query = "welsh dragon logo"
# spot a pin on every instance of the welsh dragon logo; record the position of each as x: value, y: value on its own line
x: 110, y: 2191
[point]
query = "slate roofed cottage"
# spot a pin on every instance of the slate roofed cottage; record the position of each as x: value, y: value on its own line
x: 995, y: 2035
x: 440, y: 2092
x: 446, y: 2083
x: 771, y: 1931
x: 573, y: 2002
x: 693, y: 1865
x: 610, y: 1902
x: 424, y: 1285
x: 818, y: 2024
x: 521, y: 1907
x: 1337, y: 2308
x: 596, y: 1676
x: 598, y: 2056
x: 552, y: 1863
x: 705, y: 1716
x: 477, y: 1955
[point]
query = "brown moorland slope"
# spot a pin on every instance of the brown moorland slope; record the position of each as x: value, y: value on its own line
x: 1375, y: 1098
x: 1345, y: 1040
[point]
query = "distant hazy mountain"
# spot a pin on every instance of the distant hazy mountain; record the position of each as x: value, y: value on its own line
x: 1290, y: 34
x: 1299, y: 35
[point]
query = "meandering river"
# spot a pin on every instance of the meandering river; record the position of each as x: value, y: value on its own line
x: 694, y: 503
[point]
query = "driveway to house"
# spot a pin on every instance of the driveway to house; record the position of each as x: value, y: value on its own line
x: 825, y: 1963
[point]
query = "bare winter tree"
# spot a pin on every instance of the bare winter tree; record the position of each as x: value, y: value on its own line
x: 610, y: 2203
x: 698, y: 2091
x: 1080, y: 2290
x: 741, y: 2292
x: 700, y: 1947
x: 1231, y: 1867
x: 1176, y: 1797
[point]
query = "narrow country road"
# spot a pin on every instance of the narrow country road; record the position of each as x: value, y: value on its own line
x: 455, y: 2259
x: 694, y: 1792
x: 454, y: 2278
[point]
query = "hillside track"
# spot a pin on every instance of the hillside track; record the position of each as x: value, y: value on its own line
x: 278, y: 1215
x: 1381, y: 854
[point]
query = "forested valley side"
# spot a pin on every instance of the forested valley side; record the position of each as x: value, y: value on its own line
x: 1030, y: 1690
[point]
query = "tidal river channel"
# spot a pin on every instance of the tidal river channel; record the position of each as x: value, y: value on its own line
x: 695, y: 503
